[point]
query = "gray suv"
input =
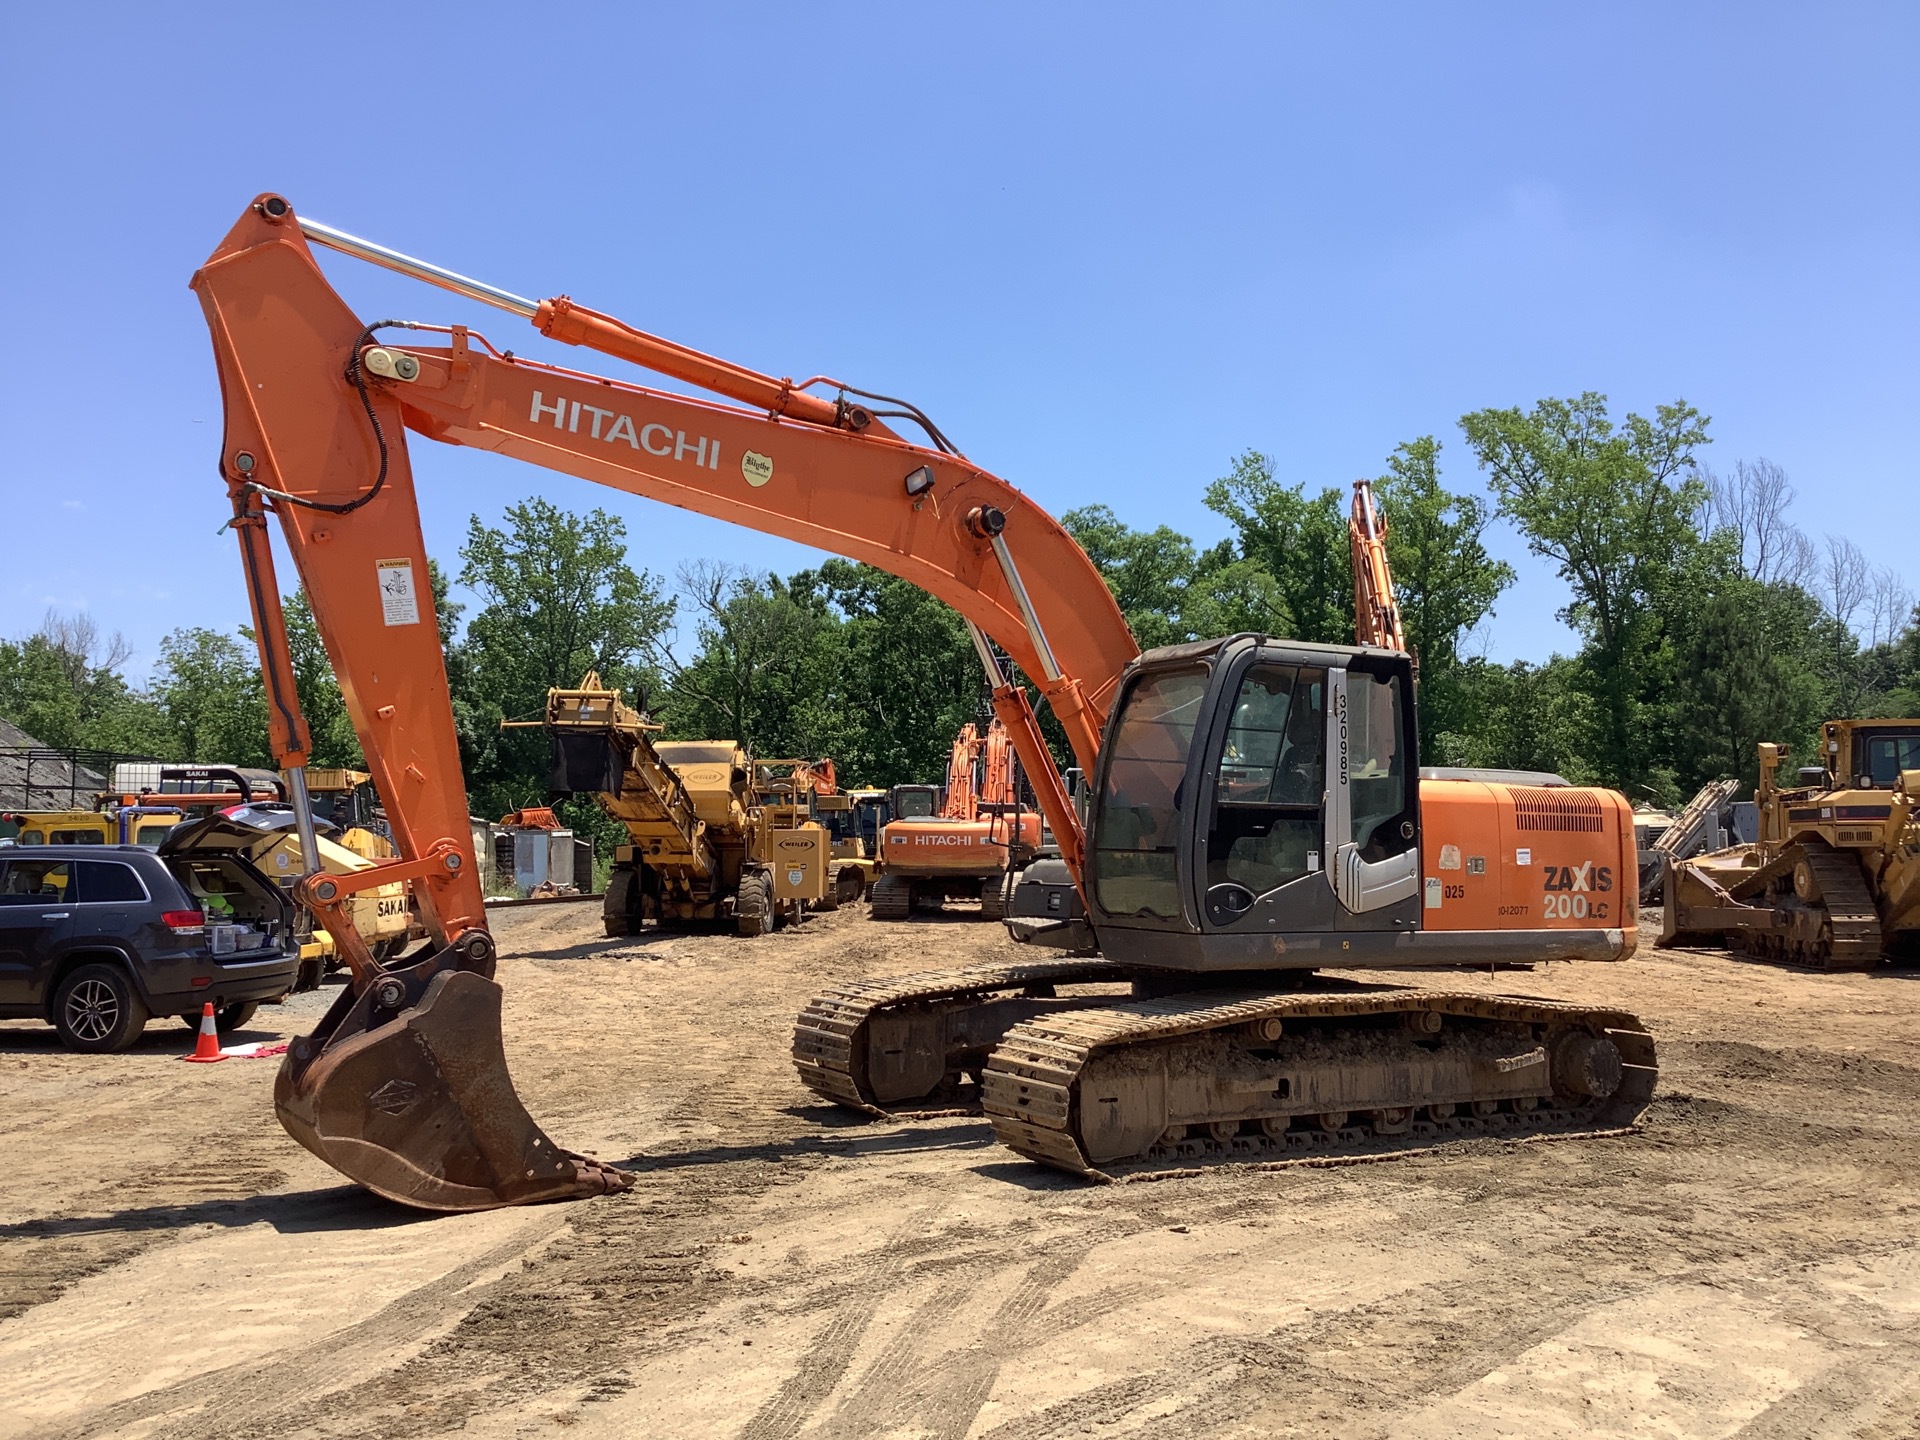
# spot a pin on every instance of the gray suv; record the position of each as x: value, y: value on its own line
x: 98, y: 939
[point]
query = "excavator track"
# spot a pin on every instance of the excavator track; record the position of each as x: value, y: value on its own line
x: 1834, y: 927
x: 1166, y: 1085
x: 897, y: 1046
x: 891, y: 898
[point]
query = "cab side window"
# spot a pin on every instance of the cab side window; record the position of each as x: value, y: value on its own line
x: 1136, y: 839
x: 1888, y: 755
x: 1270, y: 781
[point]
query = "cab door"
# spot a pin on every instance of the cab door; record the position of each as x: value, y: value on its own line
x: 1373, y: 794
x: 1263, y: 840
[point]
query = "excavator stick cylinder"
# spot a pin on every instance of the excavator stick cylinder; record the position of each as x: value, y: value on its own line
x: 404, y: 1089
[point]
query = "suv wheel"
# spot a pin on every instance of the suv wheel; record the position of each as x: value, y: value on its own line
x: 231, y: 1017
x: 96, y: 1010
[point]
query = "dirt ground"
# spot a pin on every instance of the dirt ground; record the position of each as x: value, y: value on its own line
x: 171, y: 1264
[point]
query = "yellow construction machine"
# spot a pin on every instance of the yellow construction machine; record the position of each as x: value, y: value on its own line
x: 702, y: 845
x: 1834, y: 879
x: 802, y: 790
x: 854, y: 819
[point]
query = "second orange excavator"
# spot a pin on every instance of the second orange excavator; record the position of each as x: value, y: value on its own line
x: 969, y: 847
x: 1255, y: 814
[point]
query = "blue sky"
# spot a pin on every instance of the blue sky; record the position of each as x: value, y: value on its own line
x: 1106, y: 247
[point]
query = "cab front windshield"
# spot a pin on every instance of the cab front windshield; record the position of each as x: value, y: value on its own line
x: 913, y: 804
x: 1886, y: 755
x: 1136, y: 833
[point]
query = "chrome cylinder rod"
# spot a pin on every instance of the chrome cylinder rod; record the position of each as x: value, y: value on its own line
x: 419, y: 269
x: 996, y: 677
x: 1049, y: 666
x: 303, y: 819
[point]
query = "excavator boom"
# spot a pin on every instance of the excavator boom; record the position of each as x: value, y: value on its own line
x: 403, y: 1086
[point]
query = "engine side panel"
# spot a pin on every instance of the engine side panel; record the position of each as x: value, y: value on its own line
x: 931, y: 845
x: 1522, y: 857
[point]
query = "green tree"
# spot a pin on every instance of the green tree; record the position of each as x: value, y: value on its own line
x: 1299, y: 544
x: 1750, y: 673
x: 1523, y: 716
x: 63, y: 685
x: 909, y: 675
x: 1613, y: 508
x: 209, y: 685
x: 1444, y: 578
x: 1149, y: 571
x: 37, y: 694
x: 558, y: 598
x: 769, y: 665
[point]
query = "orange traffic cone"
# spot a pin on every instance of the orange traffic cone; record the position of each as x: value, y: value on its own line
x: 206, y: 1049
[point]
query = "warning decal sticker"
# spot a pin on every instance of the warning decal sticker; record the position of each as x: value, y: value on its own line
x: 399, y: 601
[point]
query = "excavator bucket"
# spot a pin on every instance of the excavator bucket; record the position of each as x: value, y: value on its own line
x: 404, y: 1089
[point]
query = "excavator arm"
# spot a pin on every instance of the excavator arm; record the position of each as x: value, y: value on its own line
x: 403, y: 1086
x: 1376, y: 609
x: 962, y: 800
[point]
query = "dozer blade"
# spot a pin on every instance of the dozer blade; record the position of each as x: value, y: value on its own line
x: 404, y: 1089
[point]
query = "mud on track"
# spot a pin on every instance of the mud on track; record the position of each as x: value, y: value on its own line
x: 172, y: 1265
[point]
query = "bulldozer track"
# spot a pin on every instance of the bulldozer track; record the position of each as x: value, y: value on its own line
x: 1030, y: 1085
x: 1849, y: 905
x: 1850, y: 937
x: 827, y: 1036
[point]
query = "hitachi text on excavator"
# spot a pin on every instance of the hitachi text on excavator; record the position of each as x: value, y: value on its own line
x: 971, y: 846
x: 1255, y: 813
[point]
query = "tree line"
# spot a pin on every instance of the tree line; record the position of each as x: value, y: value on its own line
x: 1706, y: 622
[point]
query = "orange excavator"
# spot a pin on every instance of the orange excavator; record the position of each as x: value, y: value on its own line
x: 980, y: 836
x: 1255, y: 812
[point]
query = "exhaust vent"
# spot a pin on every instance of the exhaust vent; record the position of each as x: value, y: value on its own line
x: 1536, y: 808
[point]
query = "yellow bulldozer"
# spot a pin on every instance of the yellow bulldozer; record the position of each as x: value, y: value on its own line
x: 703, y: 844
x: 1833, y: 881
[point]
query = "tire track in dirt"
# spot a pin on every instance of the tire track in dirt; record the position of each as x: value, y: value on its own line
x: 952, y: 1406
x: 1200, y: 1375
x: 945, y: 1395
x: 41, y: 1259
x: 900, y: 1385
x: 256, y: 1397
x: 826, y: 1360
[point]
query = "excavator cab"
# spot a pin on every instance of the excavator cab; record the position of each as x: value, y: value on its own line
x: 1255, y: 799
